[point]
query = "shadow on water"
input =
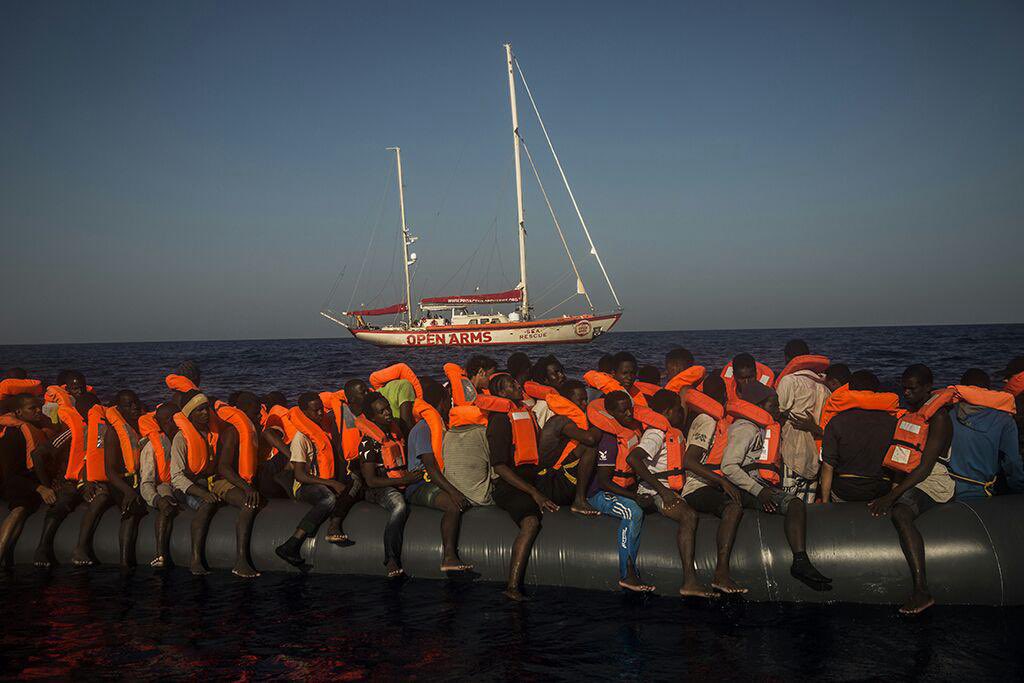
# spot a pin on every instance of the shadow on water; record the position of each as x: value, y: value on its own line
x: 147, y: 624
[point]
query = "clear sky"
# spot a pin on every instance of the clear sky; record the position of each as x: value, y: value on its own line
x: 199, y: 170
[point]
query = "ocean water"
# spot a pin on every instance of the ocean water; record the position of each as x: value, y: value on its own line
x: 144, y: 624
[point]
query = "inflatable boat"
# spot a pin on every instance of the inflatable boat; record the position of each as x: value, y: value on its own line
x: 975, y: 551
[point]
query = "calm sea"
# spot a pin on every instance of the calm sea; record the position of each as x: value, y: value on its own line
x: 169, y: 625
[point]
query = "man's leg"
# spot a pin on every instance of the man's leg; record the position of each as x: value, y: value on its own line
x: 913, y: 549
x: 82, y: 555
x: 392, y: 500
x: 200, y: 527
x: 128, y: 535
x: 796, y: 534
x: 335, y: 531
x: 529, y: 528
x: 10, y: 530
x: 686, y: 540
x: 631, y: 519
x: 243, y: 532
x: 323, y: 501
x: 451, y: 520
x: 584, y: 473
x: 162, y: 529
x: 67, y: 498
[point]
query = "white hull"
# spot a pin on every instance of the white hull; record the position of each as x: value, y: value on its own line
x: 573, y: 329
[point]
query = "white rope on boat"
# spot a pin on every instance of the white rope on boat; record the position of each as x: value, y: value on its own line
x: 565, y: 180
x: 373, y: 234
x: 558, y: 304
x: 551, y: 209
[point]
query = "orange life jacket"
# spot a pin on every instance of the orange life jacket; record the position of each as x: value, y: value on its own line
x: 75, y: 423
x: 320, y: 439
x: 818, y: 364
x: 986, y: 398
x: 536, y: 390
x: 421, y: 410
x: 560, y: 405
x: 149, y: 429
x: 180, y: 383
x: 33, y: 435
x: 391, y: 449
x: 764, y: 375
x: 59, y: 394
x: 200, y: 448
x: 248, y: 442
x: 469, y: 407
x: 626, y: 439
x: 675, y: 446
x: 127, y: 437
x: 1015, y: 385
x: 646, y: 388
x: 279, y: 417
x: 904, y: 454
x: 397, y: 371
x: 698, y: 401
x: 95, y: 467
x: 768, y: 460
x: 13, y: 387
x: 845, y: 398
x: 344, y: 420
x: 606, y: 384
x: 690, y: 377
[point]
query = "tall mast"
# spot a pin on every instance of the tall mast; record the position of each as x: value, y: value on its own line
x: 525, y: 306
x: 406, y: 240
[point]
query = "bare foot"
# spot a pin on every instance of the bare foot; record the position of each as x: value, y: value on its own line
x: 635, y: 585
x: 81, y: 559
x: 43, y: 558
x: 727, y: 585
x: 582, y: 507
x: 454, y: 564
x: 696, y: 589
x: 515, y: 595
x: 158, y: 562
x: 245, y: 571
x: 338, y: 539
x: 919, y: 602
x: 198, y: 569
x: 396, y: 573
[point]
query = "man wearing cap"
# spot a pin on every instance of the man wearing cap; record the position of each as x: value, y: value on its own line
x: 746, y: 440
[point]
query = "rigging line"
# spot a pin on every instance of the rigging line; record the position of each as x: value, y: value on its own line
x: 551, y: 287
x: 565, y: 181
x: 558, y: 304
x: 554, y: 218
x: 388, y: 280
x: 334, y: 289
x: 373, y: 235
x: 448, y: 189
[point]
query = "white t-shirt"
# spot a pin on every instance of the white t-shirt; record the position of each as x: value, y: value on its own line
x: 702, y: 433
x: 652, y: 442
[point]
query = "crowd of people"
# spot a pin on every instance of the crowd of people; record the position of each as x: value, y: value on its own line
x: 625, y: 440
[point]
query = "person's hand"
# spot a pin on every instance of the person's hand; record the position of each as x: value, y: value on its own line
x: 88, y: 492
x: 805, y: 423
x: 461, y: 501
x: 166, y: 504
x: 544, y: 503
x: 670, y: 499
x: 252, y: 499
x: 881, y: 506
x: 765, y: 498
x: 205, y: 495
x: 47, y: 494
x: 645, y: 500
x: 414, y: 477
x: 129, y: 499
x: 731, y: 490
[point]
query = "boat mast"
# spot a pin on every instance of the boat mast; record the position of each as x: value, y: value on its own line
x: 525, y: 305
x: 406, y: 239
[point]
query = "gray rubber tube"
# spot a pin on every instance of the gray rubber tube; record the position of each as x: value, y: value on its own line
x: 975, y: 551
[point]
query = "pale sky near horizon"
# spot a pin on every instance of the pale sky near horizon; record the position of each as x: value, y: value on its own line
x: 198, y: 170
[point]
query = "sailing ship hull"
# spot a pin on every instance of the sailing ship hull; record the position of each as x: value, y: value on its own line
x: 568, y: 330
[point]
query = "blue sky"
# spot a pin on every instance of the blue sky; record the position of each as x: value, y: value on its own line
x: 201, y: 170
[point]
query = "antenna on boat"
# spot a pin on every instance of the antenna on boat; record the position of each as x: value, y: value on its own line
x: 407, y: 239
x: 524, y: 306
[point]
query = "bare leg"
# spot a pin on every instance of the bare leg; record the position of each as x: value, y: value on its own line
x: 529, y: 527
x: 82, y: 555
x: 162, y: 528
x: 243, y: 532
x: 55, y: 516
x: 335, y: 531
x: 796, y: 526
x: 128, y: 534
x: 686, y: 540
x: 451, y: 520
x: 913, y: 549
x: 584, y: 473
x: 200, y: 527
x: 727, y: 527
x: 10, y: 530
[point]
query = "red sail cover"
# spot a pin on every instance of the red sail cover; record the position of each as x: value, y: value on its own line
x: 510, y: 297
x: 388, y: 310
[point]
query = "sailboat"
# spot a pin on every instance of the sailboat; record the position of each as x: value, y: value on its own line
x: 453, y: 320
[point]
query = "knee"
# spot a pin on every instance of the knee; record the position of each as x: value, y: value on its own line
x: 902, y: 516
x: 328, y: 502
x: 732, y: 510
x: 399, y: 508
x: 530, y: 525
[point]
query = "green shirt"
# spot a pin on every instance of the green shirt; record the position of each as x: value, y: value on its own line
x: 397, y: 392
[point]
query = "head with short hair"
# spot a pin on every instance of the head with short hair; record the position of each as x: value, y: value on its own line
x: 837, y: 375
x: 200, y: 414
x: 575, y: 391
x: 649, y: 374
x: 190, y: 368
x: 624, y: 371
x: 667, y: 403
x: 128, y: 404
x: 377, y: 409
x: 479, y: 369
x: 164, y: 417
x: 27, y: 408
x: 678, y: 360
x: 356, y: 391
x: 1014, y: 367
x: 917, y: 384
x: 744, y: 369
x: 864, y: 380
x: 548, y: 371
x: 248, y: 403
x: 275, y: 398
x: 519, y: 366
x: 311, y: 406
x: 761, y: 396
x: 84, y: 403
x: 504, y: 385
x: 606, y: 363
x: 16, y: 373
x: 794, y: 348
x: 619, y: 405
x: 976, y: 378
x: 714, y: 386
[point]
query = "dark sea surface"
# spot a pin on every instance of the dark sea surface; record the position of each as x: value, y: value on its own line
x: 101, y: 622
